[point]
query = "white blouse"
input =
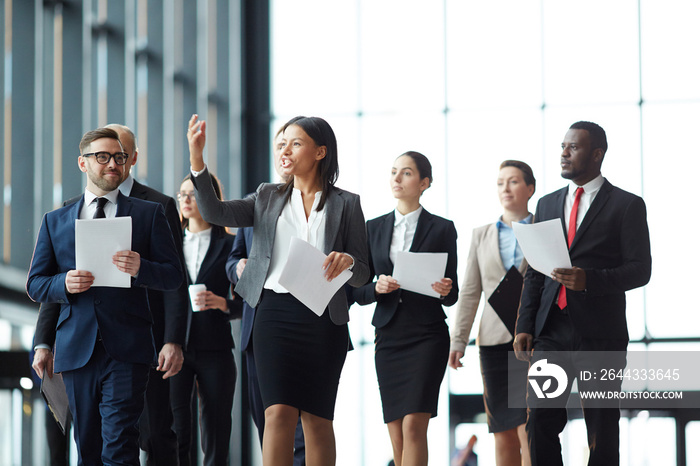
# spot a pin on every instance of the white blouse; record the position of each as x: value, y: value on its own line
x: 292, y: 223
x: 195, y: 247
x: 404, y: 231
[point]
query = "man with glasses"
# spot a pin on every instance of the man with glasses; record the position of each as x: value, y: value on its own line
x: 170, y: 318
x: 102, y: 335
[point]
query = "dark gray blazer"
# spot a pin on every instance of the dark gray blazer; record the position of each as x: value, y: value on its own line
x: 345, y: 232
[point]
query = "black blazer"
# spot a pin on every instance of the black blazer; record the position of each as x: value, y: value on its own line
x: 210, y: 330
x: 612, y: 246
x: 433, y: 234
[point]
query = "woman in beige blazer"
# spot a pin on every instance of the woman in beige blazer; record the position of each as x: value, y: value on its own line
x: 493, y: 252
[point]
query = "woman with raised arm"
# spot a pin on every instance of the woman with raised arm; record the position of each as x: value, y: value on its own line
x: 493, y: 252
x: 299, y: 355
x: 412, y: 340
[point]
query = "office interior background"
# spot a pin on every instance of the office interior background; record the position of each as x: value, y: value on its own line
x: 469, y: 83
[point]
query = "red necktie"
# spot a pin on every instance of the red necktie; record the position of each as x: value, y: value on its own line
x: 561, y: 301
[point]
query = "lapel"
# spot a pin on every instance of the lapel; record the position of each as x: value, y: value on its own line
x: 73, y: 213
x: 425, y: 223
x: 600, y: 200
x: 493, y: 247
x: 523, y: 264
x: 276, y: 199
x: 384, y: 236
x: 334, y: 215
x: 123, y: 206
x: 214, y: 252
x: 138, y: 191
x: 560, y: 201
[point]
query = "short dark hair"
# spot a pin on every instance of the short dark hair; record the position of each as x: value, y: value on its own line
x: 425, y: 170
x: 596, y: 134
x: 95, y: 134
x: 322, y: 134
x: 528, y: 176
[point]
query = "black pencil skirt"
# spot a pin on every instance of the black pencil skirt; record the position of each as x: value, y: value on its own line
x: 411, y: 359
x: 299, y: 355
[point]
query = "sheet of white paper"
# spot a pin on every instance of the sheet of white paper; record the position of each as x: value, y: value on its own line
x: 303, y: 276
x: 96, y: 241
x: 417, y: 271
x: 543, y: 245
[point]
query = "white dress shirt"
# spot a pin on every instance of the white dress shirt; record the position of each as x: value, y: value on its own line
x: 292, y: 223
x: 90, y: 205
x: 404, y: 231
x: 195, y: 247
x: 127, y: 184
x: 590, y: 190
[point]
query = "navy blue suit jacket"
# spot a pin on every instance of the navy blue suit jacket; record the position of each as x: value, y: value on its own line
x: 433, y: 234
x: 612, y: 246
x: 121, y: 314
x: 241, y: 250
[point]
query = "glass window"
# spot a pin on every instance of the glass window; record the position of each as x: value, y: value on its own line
x: 402, y: 58
x: 591, y: 52
x: 493, y: 59
x: 670, y: 46
x: 314, y: 55
x: 666, y: 128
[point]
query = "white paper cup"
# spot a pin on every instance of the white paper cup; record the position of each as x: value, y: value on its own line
x: 194, y: 291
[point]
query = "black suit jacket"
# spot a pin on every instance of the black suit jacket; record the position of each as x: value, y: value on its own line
x: 433, y: 234
x: 169, y: 309
x: 210, y: 329
x: 612, y: 246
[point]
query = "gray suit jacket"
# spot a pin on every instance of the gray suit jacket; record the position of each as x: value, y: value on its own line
x: 345, y: 232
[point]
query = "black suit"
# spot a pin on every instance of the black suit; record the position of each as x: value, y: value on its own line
x: 169, y: 311
x: 612, y: 246
x: 433, y: 234
x: 411, y: 329
x: 208, y: 361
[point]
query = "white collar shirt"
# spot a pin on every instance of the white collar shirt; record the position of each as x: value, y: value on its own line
x: 404, y: 231
x: 90, y: 205
x: 590, y: 190
x: 292, y: 223
x: 195, y: 247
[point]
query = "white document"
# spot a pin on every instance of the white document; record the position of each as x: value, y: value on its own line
x: 96, y: 241
x: 543, y: 245
x: 417, y: 271
x: 303, y: 276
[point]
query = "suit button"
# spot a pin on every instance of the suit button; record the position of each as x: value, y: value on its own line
x: 97, y: 301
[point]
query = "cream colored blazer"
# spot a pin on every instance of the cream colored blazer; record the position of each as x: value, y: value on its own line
x: 485, y: 271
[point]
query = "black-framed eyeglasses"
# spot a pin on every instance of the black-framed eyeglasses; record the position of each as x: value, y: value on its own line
x: 103, y: 158
x: 182, y: 195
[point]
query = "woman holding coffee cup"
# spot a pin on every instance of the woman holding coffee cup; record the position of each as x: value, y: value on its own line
x: 209, y: 365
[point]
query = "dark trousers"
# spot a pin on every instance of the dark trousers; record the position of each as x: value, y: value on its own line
x: 258, y: 412
x: 157, y: 437
x: 213, y: 374
x: 545, y: 423
x: 106, y: 400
